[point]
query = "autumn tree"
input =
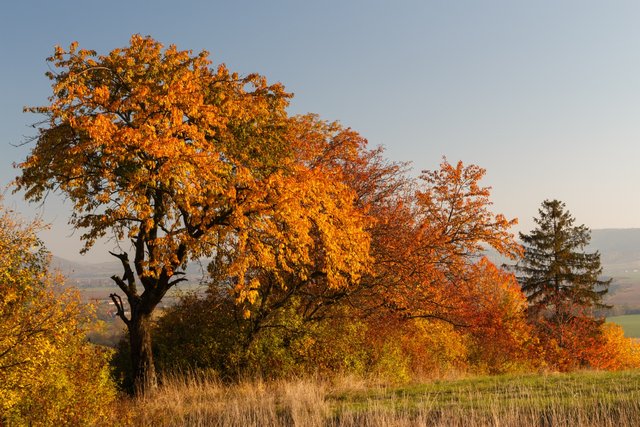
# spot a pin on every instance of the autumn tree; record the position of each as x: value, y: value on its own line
x: 427, y: 238
x: 185, y: 161
x: 320, y: 269
x: 427, y: 242
x: 297, y: 300
x: 49, y: 374
x: 501, y: 338
x: 433, y: 239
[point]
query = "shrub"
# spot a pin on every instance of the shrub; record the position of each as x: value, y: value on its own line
x: 49, y: 373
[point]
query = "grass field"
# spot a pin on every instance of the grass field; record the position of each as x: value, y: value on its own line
x: 629, y: 322
x: 584, y: 399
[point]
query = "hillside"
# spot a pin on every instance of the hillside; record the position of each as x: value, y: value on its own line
x: 617, y: 246
x: 620, y: 255
x: 94, y: 279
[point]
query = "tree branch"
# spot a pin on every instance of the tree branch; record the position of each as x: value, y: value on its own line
x: 119, y: 307
x: 128, y: 288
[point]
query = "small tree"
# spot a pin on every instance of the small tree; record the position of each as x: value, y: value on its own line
x: 560, y: 279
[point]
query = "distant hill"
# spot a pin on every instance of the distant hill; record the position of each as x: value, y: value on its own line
x: 85, y: 270
x: 620, y: 255
x: 94, y: 275
x: 617, y: 245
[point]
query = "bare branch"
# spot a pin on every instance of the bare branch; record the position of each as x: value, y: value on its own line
x: 119, y: 307
x: 175, y: 282
x: 128, y: 275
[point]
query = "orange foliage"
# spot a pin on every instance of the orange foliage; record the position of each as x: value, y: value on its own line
x: 568, y: 346
x: 496, y: 314
x: 153, y: 146
x: 426, y: 245
x: 428, y: 242
x: 314, y: 241
x: 613, y: 351
x: 454, y: 216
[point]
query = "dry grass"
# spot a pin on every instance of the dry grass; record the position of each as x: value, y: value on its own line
x: 587, y: 399
x: 207, y: 402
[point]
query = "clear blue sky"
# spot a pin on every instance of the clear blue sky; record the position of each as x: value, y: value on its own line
x: 543, y: 94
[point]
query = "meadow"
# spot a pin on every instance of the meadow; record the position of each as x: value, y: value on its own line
x: 629, y: 322
x: 583, y: 398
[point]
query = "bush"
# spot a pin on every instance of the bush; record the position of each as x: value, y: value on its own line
x: 211, y: 334
x: 49, y: 373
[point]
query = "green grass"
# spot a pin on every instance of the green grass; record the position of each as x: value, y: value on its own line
x: 587, y: 399
x: 629, y: 322
x: 502, y: 392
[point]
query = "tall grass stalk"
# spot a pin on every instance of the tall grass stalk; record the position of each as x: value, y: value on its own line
x: 586, y: 399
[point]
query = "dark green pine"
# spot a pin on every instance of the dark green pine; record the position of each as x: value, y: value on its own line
x: 559, y: 278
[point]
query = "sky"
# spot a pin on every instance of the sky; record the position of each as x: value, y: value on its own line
x: 544, y: 95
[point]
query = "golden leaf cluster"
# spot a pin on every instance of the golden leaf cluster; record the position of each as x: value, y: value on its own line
x: 49, y: 374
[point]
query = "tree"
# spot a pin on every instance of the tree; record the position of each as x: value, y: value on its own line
x: 49, y: 373
x: 296, y: 300
x: 563, y: 287
x: 185, y: 161
x: 326, y: 155
x: 502, y: 339
x: 428, y: 245
x: 556, y: 273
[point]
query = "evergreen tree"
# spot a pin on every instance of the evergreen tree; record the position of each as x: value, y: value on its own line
x: 559, y: 278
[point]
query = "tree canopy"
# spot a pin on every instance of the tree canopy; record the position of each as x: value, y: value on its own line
x: 155, y: 146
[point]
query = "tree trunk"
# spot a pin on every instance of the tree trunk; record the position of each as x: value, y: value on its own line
x: 144, y: 372
x: 139, y: 321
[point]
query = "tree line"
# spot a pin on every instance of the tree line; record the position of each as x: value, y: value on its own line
x: 323, y: 253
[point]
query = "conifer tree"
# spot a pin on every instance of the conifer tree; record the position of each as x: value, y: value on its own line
x: 560, y: 279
